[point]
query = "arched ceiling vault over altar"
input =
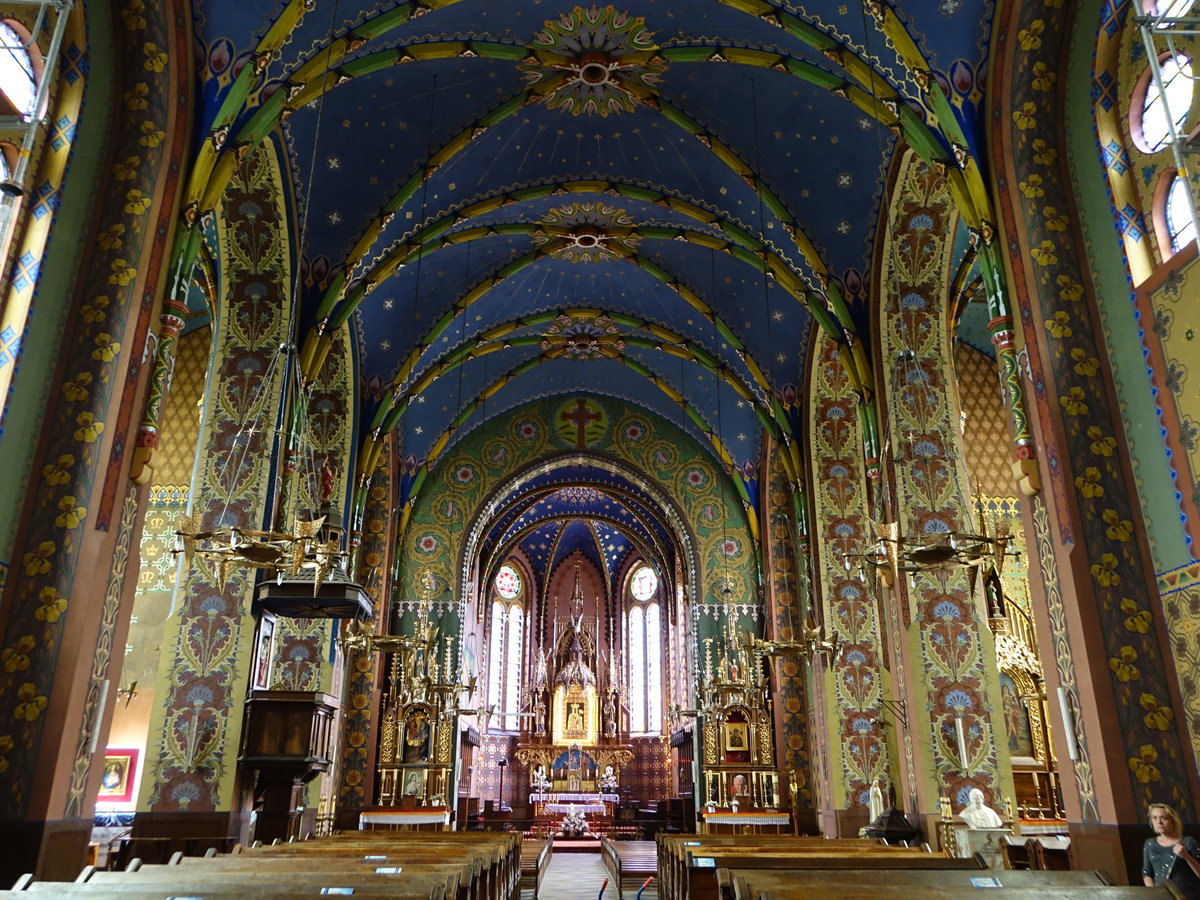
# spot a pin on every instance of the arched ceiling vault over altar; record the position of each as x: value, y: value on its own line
x: 656, y: 201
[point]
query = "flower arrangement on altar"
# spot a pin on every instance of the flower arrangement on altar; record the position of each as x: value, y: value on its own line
x: 541, y: 784
x: 574, y: 824
x: 608, y: 782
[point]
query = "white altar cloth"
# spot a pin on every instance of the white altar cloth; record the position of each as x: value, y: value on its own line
x: 430, y: 816
x: 551, y: 797
x: 593, y: 809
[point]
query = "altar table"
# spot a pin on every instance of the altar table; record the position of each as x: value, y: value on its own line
x: 404, y: 819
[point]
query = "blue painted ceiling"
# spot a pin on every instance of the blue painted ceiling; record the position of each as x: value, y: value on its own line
x: 685, y: 148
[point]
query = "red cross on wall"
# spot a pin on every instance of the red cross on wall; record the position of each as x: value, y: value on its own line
x: 582, y: 417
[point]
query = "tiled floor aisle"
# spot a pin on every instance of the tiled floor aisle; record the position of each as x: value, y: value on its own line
x: 578, y: 876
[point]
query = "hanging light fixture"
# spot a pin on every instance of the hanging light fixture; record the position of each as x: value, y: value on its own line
x: 309, y: 561
x: 895, y: 553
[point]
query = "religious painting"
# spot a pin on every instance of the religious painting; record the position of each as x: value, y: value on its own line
x: 740, y: 788
x: 1016, y: 721
x: 264, y: 653
x: 576, y: 713
x: 413, y: 784
x: 418, y: 735
x: 117, y: 779
x: 737, y: 736
x: 575, y: 722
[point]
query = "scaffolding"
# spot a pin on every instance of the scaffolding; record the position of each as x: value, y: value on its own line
x: 28, y: 124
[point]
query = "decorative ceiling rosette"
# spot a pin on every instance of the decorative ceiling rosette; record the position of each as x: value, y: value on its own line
x: 570, y: 337
x: 588, y: 232
x: 594, y: 61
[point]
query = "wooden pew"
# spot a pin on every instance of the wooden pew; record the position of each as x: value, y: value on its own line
x: 433, y: 866
x: 701, y: 883
x: 908, y: 892
x: 535, y: 859
x: 629, y: 863
x: 677, y: 873
x: 499, y: 853
x: 674, y: 848
x: 750, y: 884
x: 425, y: 881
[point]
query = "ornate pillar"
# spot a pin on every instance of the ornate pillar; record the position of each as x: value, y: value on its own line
x: 943, y: 642
x: 364, y: 669
x: 857, y: 679
x: 784, y: 558
x: 190, y: 781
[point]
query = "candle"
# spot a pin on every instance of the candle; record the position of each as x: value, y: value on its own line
x: 962, y: 741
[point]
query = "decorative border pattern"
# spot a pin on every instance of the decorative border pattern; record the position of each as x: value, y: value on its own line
x: 77, y: 798
x: 38, y: 604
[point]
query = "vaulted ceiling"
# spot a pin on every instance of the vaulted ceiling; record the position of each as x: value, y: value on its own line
x: 654, y: 200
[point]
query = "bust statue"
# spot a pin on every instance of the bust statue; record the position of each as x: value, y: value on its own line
x: 977, y: 814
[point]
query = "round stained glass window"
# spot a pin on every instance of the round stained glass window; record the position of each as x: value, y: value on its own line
x: 508, y: 582
x: 644, y: 583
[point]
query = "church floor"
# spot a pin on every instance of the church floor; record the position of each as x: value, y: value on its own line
x: 578, y: 876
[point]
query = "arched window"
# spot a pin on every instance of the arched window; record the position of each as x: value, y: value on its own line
x: 645, y: 654
x: 1149, y: 124
x: 17, y: 81
x: 506, y: 646
x: 1181, y: 227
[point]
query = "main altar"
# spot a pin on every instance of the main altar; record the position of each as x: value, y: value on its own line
x: 571, y: 746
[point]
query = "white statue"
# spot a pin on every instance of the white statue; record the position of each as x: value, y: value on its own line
x: 977, y: 814
x: 875, y: 802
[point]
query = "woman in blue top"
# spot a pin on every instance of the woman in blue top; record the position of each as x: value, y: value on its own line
x: 1170, y: 855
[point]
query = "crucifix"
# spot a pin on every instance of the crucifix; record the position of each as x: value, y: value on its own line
x: 582, y: 417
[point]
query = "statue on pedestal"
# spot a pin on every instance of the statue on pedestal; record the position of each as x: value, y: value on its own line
x: 874, y: 802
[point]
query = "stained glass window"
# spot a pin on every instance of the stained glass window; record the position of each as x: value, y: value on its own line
x: 645, y: 656
x: 508, y: 583
x: 506, y: 644
x: 643, y: 584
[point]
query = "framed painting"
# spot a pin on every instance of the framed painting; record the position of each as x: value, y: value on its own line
x: 413, y: 784
x: 741, y: 788
x: 1014, y: 702
x: 737, y: 736
x: 264, y: 653
x: 119, y: 776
